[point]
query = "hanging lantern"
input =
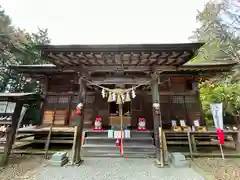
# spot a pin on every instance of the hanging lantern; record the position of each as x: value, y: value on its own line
x: 127, y: 99
x: 119, y: 101
x: 113, y: 96
x: 110, y: 99
x: 103, y: 93
x: 133, y: 93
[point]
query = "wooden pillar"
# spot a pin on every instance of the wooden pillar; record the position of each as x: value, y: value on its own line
x: 81, y: 99
x: 11, y: 133
x: 156, y: 118
x: 202, y: 119
x: 46, y: 83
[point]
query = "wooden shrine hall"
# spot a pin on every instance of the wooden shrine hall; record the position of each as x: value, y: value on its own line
x: 121, y: 66
x: 161, y: 72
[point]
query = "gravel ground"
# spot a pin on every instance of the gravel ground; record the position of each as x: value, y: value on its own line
x: 36, y: 168
x: 218, y: 169
x: 114, y: 169
x: 19, y: 165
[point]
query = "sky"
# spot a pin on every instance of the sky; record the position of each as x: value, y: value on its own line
x: 107, y: 21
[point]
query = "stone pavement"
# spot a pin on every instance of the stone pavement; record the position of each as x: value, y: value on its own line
x: 114, y: 169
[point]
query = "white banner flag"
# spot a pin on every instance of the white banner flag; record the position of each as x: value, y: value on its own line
x: 217, y: 112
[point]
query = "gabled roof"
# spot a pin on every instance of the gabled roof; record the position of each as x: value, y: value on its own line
x: 159, y: 56
x: 216, y: 66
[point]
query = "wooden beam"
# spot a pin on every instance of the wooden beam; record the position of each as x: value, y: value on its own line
x: 74, y: 58
x: 82, y: 56
x: 104, y: 58
x: 113, y: 58
x: 119, y: 80
x: 95, y: 58
x: 130, y: 58
x: 65, y: 59
x: 121, y: 60
x: 129, y: 68
x: 152, y: 58
x: 78, y: 69
x: 140, y: 58
x: 55, y: 60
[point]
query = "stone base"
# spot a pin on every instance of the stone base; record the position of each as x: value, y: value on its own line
x: 178, y: 160
x: 59, y: 159
x: 59, y: 163
x: 59, y: 156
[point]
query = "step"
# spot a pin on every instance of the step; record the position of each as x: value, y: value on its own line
x: 118, y: 155
x: 126, y: 141
x: 91, y: 133
x: 135, y: 133
x: 114, y: 148
x: 114, y: 151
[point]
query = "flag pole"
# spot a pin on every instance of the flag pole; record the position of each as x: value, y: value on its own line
x: 221, y: 149
x: 121, y: 128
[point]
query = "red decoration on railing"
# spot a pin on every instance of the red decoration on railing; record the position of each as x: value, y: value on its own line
x: 118, y: 142
x: 79, y: 108
x: 220, y: 134
x: 78, y: 112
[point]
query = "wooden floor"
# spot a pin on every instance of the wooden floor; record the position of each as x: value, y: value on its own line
x: 45, y: 128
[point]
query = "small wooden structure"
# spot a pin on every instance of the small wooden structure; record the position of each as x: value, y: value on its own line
x: 12, y: 111
x: 77, y: 69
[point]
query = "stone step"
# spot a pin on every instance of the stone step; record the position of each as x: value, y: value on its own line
x: 117, y: 155
x: 114, y: 148
x: 114, y: 151
x: 126, y: 141
x: 139, y: 134
x: 90, y: 133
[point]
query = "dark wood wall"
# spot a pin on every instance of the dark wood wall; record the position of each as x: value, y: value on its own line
x: 178, y: 101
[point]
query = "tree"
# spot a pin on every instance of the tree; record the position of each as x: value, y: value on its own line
x: 18, y: 47
x: 220, y: 91
x: 219, y: 30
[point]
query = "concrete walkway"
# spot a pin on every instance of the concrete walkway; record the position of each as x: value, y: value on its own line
x: 114, y: 169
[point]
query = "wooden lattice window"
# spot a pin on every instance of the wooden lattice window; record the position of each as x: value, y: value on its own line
x: 178, y: 99
x: 63, y: 100
x: 52, y: 99
x: 190, y: 99
x: 75, y: 100
x: 57, y: 101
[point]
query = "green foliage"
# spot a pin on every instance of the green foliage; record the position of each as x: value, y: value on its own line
x: 220, y: 27
x: 221, y: 91
x: 19, y: 47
